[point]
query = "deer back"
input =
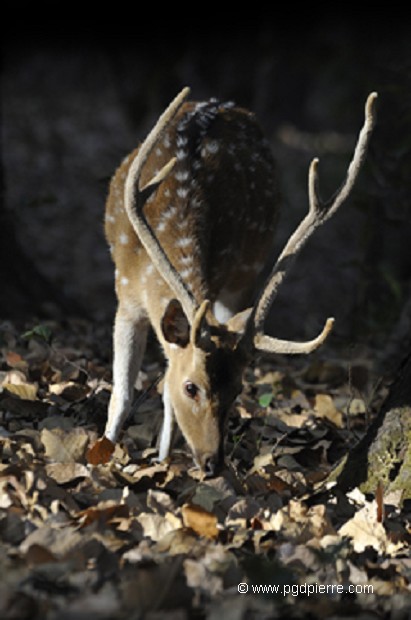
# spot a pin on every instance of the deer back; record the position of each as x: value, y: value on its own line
x: 214, y: 215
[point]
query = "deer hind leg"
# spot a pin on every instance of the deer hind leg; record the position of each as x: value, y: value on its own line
x: 130, y: 336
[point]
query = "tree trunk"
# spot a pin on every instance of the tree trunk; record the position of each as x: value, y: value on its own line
x: 383, y: 456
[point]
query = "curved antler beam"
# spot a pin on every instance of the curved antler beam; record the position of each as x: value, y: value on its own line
x: 267, y: 344
x: 136, y: 197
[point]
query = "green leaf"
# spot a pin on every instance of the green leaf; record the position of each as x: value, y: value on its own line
x: 39, y: 331
x: 265, y: 399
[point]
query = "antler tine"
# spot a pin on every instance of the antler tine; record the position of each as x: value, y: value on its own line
x: 136, y: 197
x: 327, y: 209
x: 318, y: 213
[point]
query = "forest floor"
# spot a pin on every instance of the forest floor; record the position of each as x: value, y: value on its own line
x: 267, y: 538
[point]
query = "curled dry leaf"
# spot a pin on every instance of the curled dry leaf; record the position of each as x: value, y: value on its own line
x: 325, y: 408
x: 69, y: 390
x: 25, y: 391
x: 103, y: 513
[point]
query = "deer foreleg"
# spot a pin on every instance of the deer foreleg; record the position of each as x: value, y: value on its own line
x: 168, y: 426
x: 130, y: 335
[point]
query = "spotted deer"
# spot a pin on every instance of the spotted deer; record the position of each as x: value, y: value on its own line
x: 190, y: 220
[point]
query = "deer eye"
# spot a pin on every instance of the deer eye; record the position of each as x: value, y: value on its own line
x: 191, y: 389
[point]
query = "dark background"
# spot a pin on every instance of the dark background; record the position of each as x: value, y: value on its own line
x: 75, y: 101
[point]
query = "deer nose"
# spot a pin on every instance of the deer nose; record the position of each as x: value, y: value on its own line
x: 210, y: 464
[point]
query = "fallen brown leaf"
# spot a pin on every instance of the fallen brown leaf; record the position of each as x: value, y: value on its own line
x: 38, y: 554
x: 100, y: 452
x: 64, y: 447
x: 63, y: 473
x: 204, y: 523
x: 15, y: 360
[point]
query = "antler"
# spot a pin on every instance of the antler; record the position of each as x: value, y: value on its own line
x: 136, y: 197
x: 318, y: 213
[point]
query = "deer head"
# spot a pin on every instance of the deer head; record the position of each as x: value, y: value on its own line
x: 203, y: 377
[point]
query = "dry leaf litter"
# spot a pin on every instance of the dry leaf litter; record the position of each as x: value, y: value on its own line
x: 133, y: 538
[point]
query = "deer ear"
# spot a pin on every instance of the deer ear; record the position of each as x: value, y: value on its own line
x: 238, y: 322
x: 175, y: 325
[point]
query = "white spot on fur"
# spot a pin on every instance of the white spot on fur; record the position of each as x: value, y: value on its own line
x: 182, y: 140
x: 182, y: 175
x: 185, y: 273
x: 124, y: 281
x: 186, y: 260
x: 182, y: 224
x: 182, y: 192
x: 123, y: 238
x: 227, y: 251
x: 212, y: 147
x: 196, y: 203
x: 170, y: 213
x: 183, y: 242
